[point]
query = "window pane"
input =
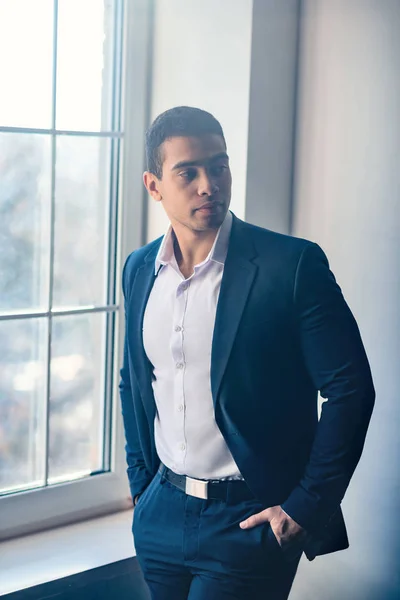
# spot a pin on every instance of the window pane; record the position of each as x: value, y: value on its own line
x: 77, y: 396
x: 25, y: 191
x: 23, y: 377
x: 84, y: 65
x: 26, y: 63
x: 81, y: 221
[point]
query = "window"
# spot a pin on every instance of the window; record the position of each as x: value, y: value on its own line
x: 60, y: 243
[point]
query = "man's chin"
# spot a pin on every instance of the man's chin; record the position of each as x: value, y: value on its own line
x: 210, y: 225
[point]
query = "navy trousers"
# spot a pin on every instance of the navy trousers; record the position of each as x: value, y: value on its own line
x: 194, y: 549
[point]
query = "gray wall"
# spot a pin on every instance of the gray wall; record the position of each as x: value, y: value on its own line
x: 347, y: 189
x: 272, y: 112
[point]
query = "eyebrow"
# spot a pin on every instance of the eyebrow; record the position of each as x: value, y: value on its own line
x: 197, y: 163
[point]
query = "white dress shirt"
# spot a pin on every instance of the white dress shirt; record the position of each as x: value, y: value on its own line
x: 177, y: 335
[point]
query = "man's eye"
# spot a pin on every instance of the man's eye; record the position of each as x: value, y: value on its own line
x: 188, y: 175
x: 218, y: 170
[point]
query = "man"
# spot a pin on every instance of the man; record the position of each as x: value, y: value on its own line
x: 231, y: 330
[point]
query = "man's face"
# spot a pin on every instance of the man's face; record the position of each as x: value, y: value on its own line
x: 195, y: 188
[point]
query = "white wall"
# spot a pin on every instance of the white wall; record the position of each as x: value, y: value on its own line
x: 347, y: 199
x: 202, y: 58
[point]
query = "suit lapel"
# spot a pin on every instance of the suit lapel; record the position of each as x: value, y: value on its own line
x: 141, y: 288
x: 238, y: 277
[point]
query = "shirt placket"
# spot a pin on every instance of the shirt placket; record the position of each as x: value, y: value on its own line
x: 178, y: 356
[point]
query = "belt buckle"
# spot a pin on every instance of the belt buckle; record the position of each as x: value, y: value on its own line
x: 197, y: 488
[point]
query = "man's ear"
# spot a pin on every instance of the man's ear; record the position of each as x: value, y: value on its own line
x: 152, y: 183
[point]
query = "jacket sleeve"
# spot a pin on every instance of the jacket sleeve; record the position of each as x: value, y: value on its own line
x: 138, y: 474
x: 336, y: 361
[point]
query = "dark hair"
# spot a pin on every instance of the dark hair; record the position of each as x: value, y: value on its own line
x: 181, y: 121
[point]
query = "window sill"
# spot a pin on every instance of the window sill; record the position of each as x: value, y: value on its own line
x: 50, y: 555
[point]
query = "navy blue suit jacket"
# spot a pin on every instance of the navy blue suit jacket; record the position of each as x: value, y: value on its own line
x: 282, y: 332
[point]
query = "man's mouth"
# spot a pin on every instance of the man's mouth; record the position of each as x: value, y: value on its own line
x: 208, y: 207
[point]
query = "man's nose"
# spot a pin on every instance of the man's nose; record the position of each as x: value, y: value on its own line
x: 207, y: 186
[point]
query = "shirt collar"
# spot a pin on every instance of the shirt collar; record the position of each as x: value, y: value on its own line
x: 218, y: 252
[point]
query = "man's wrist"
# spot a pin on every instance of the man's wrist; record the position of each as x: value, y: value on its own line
x: 290, y: 517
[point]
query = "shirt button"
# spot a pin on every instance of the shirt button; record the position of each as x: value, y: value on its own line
x: 180, y: 407
x: 177, y: 328
x: 183, y: 447
x: 179, y: 365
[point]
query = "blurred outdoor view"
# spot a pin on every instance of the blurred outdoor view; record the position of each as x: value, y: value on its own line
x: 54, y: 238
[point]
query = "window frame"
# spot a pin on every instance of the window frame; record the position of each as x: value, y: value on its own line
x: 29, y: 511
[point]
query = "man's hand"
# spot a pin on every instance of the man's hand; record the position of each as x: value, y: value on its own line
x: 285, y: 529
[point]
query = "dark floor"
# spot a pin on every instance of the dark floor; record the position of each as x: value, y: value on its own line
x: 122, y: 580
